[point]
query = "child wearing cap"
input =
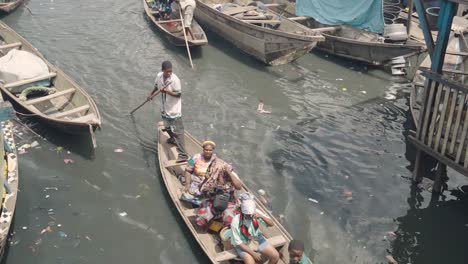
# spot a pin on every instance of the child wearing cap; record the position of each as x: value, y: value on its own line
x: 247, y: 237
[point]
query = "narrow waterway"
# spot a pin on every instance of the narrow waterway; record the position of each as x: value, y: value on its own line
x: 332, y: 155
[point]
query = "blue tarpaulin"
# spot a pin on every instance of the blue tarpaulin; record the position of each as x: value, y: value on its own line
x: 365, y: 14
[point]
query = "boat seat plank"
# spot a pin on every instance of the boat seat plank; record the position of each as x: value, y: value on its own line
x: 85, y: 118
x: 299, y: 18
x: 51, y: 96
x: 71, y: 111
x: 173, y: 163
x: 168, y: 21
x: 27, y: 81
x: 262, y: 21
x: 11, y: 45
x: 275, y: 241
x: 238, y: 10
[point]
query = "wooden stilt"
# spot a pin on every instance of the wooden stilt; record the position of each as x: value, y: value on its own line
x: 439, y: 177
x: 93, y: 136
x: 417, y: 176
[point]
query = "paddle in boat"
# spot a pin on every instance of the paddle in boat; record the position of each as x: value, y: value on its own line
x: 52, y: 97
x: 214, y: 244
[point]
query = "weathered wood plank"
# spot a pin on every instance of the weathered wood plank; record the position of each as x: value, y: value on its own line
x: 11, y: 45
x: 435, y: 113
x: 259, y: 21
x: 443, y: 113
x: 168, y: 21
x: 71, y: 111
x: 462, y: 140
x: 428, y: 93
x: 50, y: 96
x: 299, y: 18
x: 453, y: 105
x: 35, y: 79
x: 238, y: 10
x: 461, y: 105
x: 436, y: 155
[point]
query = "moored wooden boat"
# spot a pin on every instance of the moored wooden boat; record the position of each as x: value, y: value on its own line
x: 208, y: 241
x: 69, y: 109
x: 354, y: 43
x: 172, y: 28
x: 8, y: 179
x: 9, y: 5
x: 270, y: 38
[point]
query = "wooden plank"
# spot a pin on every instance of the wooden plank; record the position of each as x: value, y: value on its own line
x: 275, y: 241
x: 461, y: 105
x: 453, y: 105
x: 50, y: 96
x: 85, y: 118
x: 439, y: 78
x: 272, y: 5
x: 35, y: 79
x: 325, y: 29
x: 237, y: 10
x: 435, y: 112
x: 173, y: 163
x: 462, y: 140
x: 262, y: 21
x: 168, y: 21
x: 443, y: 113
x: 299, y: 18
x: 11, y: 45
x: 422, y: 113
x: 71, y: 111
x: 437, y: 156
x: 427, y: 110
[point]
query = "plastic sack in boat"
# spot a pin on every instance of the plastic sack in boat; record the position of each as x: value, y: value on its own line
x: 20, y: 65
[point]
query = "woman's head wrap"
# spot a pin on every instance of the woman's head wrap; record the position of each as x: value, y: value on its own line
x: 209, y: 142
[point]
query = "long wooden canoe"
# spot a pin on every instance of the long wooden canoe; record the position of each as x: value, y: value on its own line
x: 209, y: 242
x: 9, y: 5
x: 274, y: 40
x: 8, y: 181
x: 69, y: 109
x: 174, y: 33
x: 354, y: 43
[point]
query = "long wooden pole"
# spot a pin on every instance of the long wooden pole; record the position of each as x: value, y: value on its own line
x: 148, y: 99
x: 410, y: 17
x: 185, y: 35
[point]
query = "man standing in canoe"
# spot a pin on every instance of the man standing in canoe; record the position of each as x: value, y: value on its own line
x: 171, y: 107
x: 187, y: 7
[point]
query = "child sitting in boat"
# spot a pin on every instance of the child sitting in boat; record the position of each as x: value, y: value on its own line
x: 296, y: 252
x: 246, y: 236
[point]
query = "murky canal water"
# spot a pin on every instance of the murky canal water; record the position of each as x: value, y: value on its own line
x: 335, y: 135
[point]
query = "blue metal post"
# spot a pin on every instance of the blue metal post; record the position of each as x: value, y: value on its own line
x: 446, y: 14
x: 425, y: 27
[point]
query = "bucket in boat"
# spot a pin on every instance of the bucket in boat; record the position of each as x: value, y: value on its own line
x: 432, y: 16
x: 171, y: 24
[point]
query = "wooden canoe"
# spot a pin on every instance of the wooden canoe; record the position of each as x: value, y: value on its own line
x: 209, y: 242
x: 174, y: 34
x: 9, y: 174
x: 354, y: 43
x: 69, y: 109
x: 273, y: 41
x: 9, y: 5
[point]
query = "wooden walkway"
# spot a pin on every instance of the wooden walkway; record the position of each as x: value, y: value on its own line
x: 443, y: 122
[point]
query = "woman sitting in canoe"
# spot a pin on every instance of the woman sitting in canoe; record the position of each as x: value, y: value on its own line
x: 246, y: 236
x: 214, y: 180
